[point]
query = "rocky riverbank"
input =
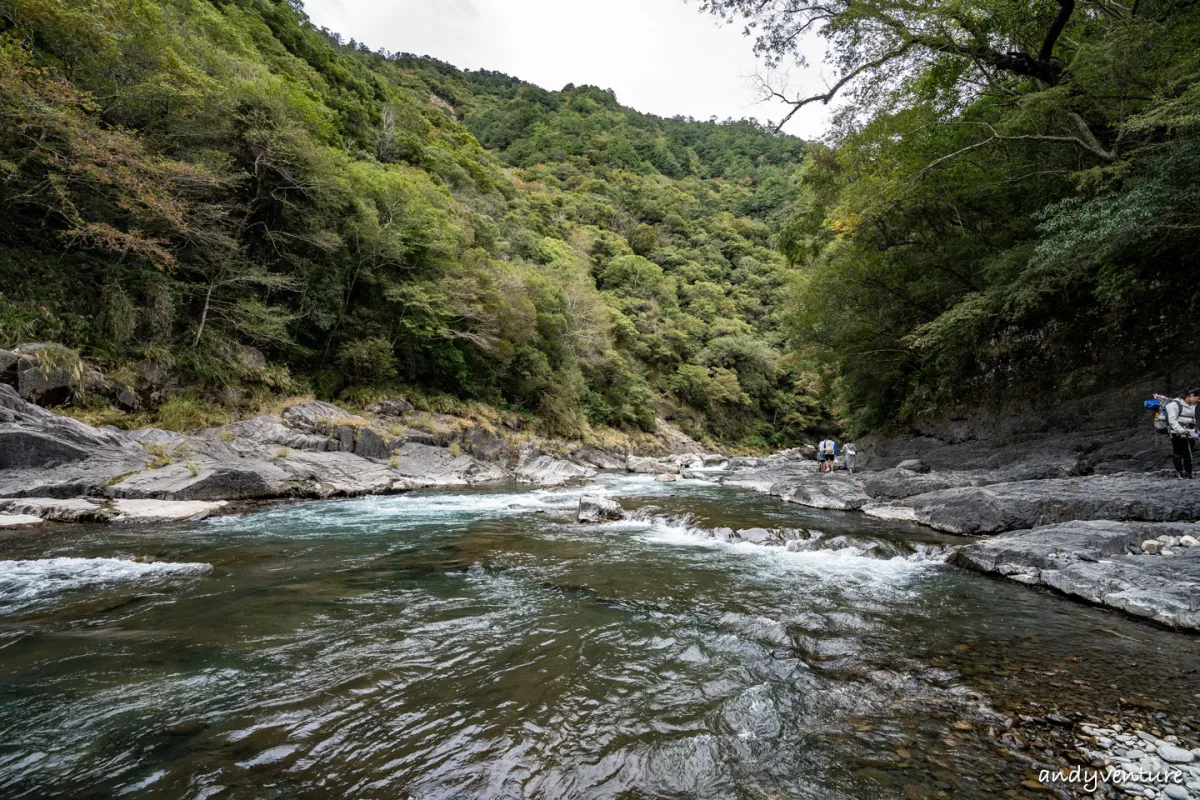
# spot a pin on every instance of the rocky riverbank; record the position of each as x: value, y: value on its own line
x: 1127, y: 541
x: 54, y: 468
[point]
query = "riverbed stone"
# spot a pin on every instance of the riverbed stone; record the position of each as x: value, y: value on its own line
x: 756, y: 535
x: 1152, y: 546
x: 666, y: 477
x: 1175, y: 755
x: 599, y: 509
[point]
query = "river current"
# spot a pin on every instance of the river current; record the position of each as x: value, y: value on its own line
x: 481, y: 644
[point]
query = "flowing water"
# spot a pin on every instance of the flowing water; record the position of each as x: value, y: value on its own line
x: 481, y: 644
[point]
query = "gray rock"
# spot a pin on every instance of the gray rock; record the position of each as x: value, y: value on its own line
x: 1026, y: 504
x: 714, y: 460
x: 369, y: 444
x: 394, y: 407
x: 1176, y: 792
x: 828, y: 490
x: 145, y: 511
x: 914, y: 465
x: 54, y: 510
x: 320, y: 418
x: 1175, y: 755
x: 47, y: 386
x: 1152, y: 546
x: 649, y: 466
x: 1091, y: 565
x: 667, y: 477
x: 545, y: 470
x: 19, y: 520
x: 756, y: 535
x: 252, y: 357
x: 902, y: 482
x: 598, y: 509
x: 219, y: 480
x: 8, y: 367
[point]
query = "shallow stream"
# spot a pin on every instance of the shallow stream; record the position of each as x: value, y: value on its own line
x: 481, y: 644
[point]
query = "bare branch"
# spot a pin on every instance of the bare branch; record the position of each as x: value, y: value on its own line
x: 829, y: 95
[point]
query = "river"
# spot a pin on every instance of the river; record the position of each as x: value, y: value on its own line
x: 481, y: 644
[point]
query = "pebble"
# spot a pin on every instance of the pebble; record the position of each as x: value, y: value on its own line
x: 1147, y: 737
x: 1175, y: 755
x: 1188, y: 541
x: 1152, y: 546
x: 1176, y: 792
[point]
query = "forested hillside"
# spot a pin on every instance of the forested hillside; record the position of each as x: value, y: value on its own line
x: 1012, y: 205
x: 183, y: 179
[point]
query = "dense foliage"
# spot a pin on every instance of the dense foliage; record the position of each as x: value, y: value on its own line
x: 182, y: 179
x: 1011, y: 202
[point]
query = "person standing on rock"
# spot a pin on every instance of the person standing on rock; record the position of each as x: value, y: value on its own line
x: 850, y: 456
x: 1181, y: 423
x: 826, y: 452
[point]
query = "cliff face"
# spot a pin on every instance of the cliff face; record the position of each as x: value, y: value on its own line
x: 1103, y: 432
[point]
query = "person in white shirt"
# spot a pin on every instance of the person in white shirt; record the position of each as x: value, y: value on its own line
x: 826, y: 453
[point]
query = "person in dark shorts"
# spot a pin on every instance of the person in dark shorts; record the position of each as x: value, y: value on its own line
x: 1181, y: 424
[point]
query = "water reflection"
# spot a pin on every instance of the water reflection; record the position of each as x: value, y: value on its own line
x: 480, y: 644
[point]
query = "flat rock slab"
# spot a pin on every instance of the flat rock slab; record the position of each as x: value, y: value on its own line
x: 835, y: 491
x: 90, y: 509
x: 49, y: 509
x: 545, y: 470
x: 1027, y: 504
x: 164, y: 510
x: 18, y: 520
x: 1090, y: 560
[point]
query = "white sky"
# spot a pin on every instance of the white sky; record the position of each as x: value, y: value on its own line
x: 660, y: 56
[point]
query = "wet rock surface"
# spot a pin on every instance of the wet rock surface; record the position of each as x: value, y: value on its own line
x: 1124, y: 541
x: 599, y: 509
x: 1101, y: 562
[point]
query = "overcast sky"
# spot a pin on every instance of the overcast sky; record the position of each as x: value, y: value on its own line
x: 659, y: 56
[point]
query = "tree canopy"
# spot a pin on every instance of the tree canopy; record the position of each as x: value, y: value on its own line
x: 1008, y: 201
x: 186, y: 178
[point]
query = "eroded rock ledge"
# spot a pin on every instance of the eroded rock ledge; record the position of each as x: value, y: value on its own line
x: 56, y: 468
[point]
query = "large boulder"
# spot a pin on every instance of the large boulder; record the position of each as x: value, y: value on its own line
x: 649, y: 466
x: 8, y: 367
x: 317, y: 417
x: 369, y: 444
x: 545, y: 470
x: 829, y: 490
x: 1099, y: 561
x: 32, y: 438
x: 43, y: 384
x: 394, y: 407
x: 599, y: 509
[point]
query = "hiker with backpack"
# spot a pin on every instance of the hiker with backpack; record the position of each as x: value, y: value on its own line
x: 826, y: 453
x: 1181, y: 422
